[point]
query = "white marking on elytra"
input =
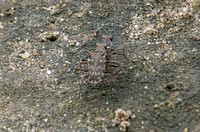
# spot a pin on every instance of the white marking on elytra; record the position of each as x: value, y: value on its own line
x: 97, y: 63
x: 97, y: 73
x: 102, y: 74
x: 99, y: 67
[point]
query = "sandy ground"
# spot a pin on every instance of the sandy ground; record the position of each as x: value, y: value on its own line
x: 43, y: 42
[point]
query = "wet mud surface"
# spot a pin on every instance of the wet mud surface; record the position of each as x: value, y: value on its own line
x: 43, y: 43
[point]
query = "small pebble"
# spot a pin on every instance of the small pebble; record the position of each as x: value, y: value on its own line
x: 185, y: 130
x: 35, y: 52
x: 111, y: 115
x: 25, y: 55
x: 48, y: 72
x: 142, y: 122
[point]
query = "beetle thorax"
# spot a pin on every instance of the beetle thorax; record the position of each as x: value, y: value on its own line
x: 100, y: 48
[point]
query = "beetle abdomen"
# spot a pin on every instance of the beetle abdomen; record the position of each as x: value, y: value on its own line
x: 96, y: 68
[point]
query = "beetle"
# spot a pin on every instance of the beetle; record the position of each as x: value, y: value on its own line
x: 97, y: 65
x: 101, y: 62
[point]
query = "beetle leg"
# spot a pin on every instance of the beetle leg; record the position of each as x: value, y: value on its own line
x: 91, y: 53
x: 84, y: 62
x: 114, y: 64
x: 117, y: 52
x: 81, y: 70
x: 118, y: 65
x: 108, y: 73
x: 111, y: 53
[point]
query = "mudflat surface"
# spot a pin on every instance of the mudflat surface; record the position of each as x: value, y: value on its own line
x: 43, y: 42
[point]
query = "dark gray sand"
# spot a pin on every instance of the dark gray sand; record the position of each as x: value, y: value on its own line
x: 43, y: 42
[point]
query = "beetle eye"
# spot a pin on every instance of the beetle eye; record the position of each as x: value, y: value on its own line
x: 111, y: 38
x: 105, y: 45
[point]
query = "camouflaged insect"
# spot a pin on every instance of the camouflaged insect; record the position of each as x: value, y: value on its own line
x: 97, y: 64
